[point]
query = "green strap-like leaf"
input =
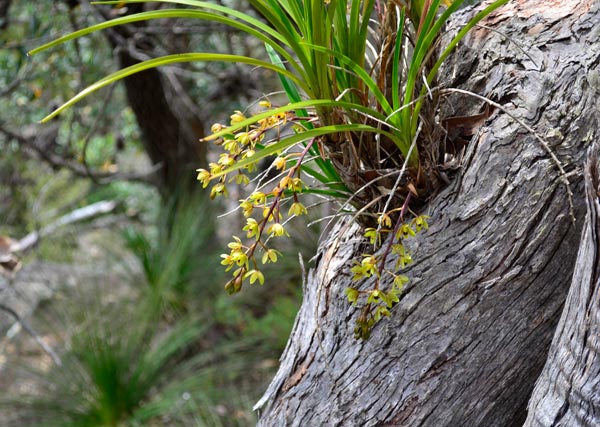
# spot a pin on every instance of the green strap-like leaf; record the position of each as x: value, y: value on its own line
x: 180, y: 13
x: 461, y: 34
x: 288, y: 86
x: 360, y: 72
x: 396, y: 64
x: 295, y: 106
x: 209, y: 6
x: 299, y: 137
x: 166, y: 60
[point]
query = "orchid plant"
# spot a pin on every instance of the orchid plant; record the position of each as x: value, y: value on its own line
x: 360, y: 76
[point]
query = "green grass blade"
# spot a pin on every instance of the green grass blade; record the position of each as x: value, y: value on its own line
x: 166, y: 60
x: 299, y: 137
x: 295, y: 107
x: 288, y: 86
x: 396, y: 63
x: 361, y: 73
x: 461, y: 34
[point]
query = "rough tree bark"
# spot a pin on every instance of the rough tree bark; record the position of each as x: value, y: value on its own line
x: 470, y: 336
x: 567, y: 393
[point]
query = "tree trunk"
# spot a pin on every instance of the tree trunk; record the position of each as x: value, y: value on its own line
x: 567, y: 392
x: 470, y: 335
x: 171, y: 129
x: 4, y: 6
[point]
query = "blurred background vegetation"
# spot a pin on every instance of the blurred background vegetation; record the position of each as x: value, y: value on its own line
x: 112, y: 311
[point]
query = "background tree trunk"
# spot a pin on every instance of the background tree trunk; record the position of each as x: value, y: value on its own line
x: 471, y: 333
x: 171, y: 129
x: 4, y: 6
x: 567, y: 393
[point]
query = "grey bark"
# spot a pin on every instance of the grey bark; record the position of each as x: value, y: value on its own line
x: 567, y: 393
x: 471, y: 333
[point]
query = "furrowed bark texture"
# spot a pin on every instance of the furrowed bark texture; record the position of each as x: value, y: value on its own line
x: 471, y: 333
x: 567, y: 393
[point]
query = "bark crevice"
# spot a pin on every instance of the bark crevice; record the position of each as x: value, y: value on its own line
x: 566, y: 393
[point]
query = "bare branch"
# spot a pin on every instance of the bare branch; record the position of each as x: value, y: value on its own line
x: 37, y: 150
x: 77, y: 215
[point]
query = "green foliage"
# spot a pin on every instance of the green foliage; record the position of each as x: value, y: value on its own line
x: 28, y: 91
x: 70, y: 67
x: 14, y: 174
x: 268, y: 319
x: 355, y: 110
x: 138, y: 363
x: 123, y: 368
x: 173, y: 252
x: 275, y: 325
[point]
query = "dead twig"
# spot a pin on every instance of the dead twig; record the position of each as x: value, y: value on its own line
x: 95, y: 209
x: 55, y: 357
x: 542, y: 141
x: 33, y: 149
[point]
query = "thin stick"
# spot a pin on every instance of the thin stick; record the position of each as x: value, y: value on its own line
x: 544, y: 144
x: 33, y: 333
x: 397, y: 183
x: 86, y: 212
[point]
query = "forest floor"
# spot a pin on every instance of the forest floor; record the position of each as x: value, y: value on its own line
x: 37, y: 293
